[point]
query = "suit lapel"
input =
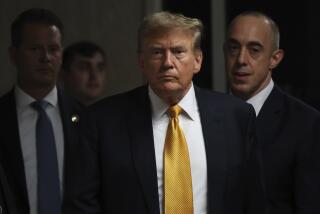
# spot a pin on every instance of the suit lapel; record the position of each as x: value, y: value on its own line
x: 216, y: 149
x: 12, y: 157
x: 141, y: 134
x: 68, y: 112
x: 269, y: 118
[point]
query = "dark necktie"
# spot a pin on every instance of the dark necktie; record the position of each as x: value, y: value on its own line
x: 49, y: 200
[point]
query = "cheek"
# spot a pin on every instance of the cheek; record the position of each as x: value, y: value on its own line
x: 27, y: 60
x: 78, y: 78
x: 150, y: 69
x: 101, y: 77
x: 57, y: 58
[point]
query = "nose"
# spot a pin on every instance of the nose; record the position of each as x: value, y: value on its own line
x: 168, y: 60
x: 242, y: 57
x: 45, y: 55
x: 93, y: 73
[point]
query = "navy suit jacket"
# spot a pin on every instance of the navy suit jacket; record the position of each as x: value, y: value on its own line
x: 119, y: 176
x: 289, y: 132
x: 10, y: 149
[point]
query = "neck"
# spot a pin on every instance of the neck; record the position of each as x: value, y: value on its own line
x: 37, y: 93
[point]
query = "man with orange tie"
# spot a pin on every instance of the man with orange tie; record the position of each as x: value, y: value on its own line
x: 169, y: 147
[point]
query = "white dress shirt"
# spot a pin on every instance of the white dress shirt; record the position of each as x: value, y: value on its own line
x: 27, y: 118
x: 258, y: 100
x: 189, y: 121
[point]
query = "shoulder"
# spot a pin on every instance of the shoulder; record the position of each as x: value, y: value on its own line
x: 294, y: 105
x: 122, y: 100
x: 69, y: 103
x: 223, y: 101
x: 7, y: 98
x: 230, y: 108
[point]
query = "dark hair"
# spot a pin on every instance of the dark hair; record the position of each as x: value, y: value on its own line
x: 83, y: 48
x: 34, y: 15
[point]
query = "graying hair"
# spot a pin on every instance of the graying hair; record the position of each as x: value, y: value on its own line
x: 164, y: 20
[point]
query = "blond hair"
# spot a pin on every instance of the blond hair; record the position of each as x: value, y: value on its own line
x: 165, y: 21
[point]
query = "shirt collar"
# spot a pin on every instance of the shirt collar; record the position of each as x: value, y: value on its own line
x: 188, y: 103
x: 258, y: 100
x: 23, y: 99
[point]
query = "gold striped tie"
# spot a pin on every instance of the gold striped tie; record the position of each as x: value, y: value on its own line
x: 177, y: 172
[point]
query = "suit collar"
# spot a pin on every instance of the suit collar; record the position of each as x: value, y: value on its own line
x: 270, y: 116
x: 23, y: 99
x: 258, y: 100
x: 188, y: 104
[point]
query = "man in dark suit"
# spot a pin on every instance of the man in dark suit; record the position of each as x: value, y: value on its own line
x: 127, y: 170
x: 36, y: 172
x: 288, y: 129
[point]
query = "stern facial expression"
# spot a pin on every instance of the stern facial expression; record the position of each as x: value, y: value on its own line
x: 169, y: 61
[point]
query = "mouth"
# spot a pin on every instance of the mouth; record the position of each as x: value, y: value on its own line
x: 240, y: 76
x: 93, y: 85
x: 167, y: 77
x: 44, y: 69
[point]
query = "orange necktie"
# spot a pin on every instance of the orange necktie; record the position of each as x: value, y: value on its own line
x: 177, y: 172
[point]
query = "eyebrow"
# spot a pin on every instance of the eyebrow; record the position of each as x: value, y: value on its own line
x: 250, y: 43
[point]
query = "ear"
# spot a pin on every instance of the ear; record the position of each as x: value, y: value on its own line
x: 276, y: 58
x: 198, y: 56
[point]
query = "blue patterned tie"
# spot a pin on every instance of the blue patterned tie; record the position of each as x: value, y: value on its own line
x: 49, y: 200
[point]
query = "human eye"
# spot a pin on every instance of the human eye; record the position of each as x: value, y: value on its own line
x: 156, y: 53
x: 54, y: 48
x: 233, y: 48
x: 34, y: 48
x: 83, y: 66
x: 179, y: 52
x: 255, y: 50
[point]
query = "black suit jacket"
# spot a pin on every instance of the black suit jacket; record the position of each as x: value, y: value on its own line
x: 7, y: 202
x: 289, y: 132
x: 10, y: 149
x: 119, y: 176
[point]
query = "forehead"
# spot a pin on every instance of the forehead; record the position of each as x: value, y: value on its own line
x: 172, y: 37
x: 96, y: 57
x: 35, y: 32
x: 246, y: 29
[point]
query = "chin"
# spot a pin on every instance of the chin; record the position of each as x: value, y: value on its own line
x: 240, y: 89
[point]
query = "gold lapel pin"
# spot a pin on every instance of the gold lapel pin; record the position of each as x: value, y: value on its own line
x: 75, y: 118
